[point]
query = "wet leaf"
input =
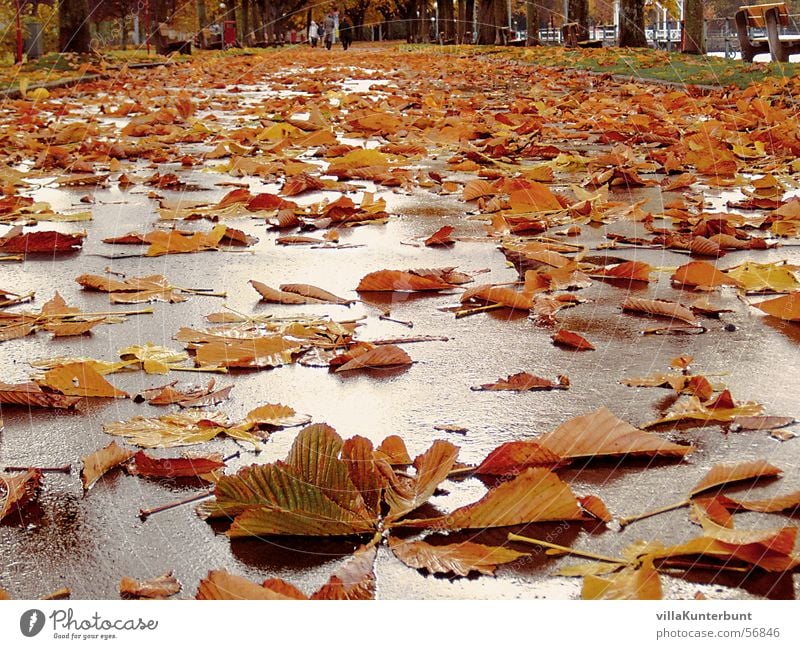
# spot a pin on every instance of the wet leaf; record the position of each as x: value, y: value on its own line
x: 263, y: 351
x: 786, y: 307
x: 662, y: 308
x: 80, y: 380
x: 723, y: 474
x: 275, y: 415
x: 637, y: 271
x: 269, y: 294
x: 523, y: 382
x: 459, y: 559
x: 17, y: 490
x: 97, y: 464
x: 535, y: 495
x: 776, y: 277
x: 221, y: 585
x: 154, y: 359
x: 432, y: 467
x: 155, y: 588
x: 316, y: 293
x: 600, y: 433
x: 570, y: 339
x: 393, y: 449
x: 512, y: 458
x: 595, y: 507
x: 40, y: 242
x: 702, y: 276
x: 780, y: 503
x: 722, y: 409
x: 355, y: 580
x: 642, y: 582
x: 31, y: 394
x: 441, y: 237
x: 174, y: 467
x: 377, y: 357
x: 400, y: 280
x: 761, y: 423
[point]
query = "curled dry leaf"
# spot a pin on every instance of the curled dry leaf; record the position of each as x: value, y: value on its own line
x: 80, y: 380
x: 764, y: 422
x: 722, y: 409
x: 536, y: 494
x: 570, y: 339
x: 663, y: 308
x: 31, y: 394
x: 97, y: 464
x: 377, y: 357
x: 523, y: 382
x: 600, y: 433
x: 154, y: 359
x: 269, y: 294
x: 459, y: 559
x: 723, y: 474
x: 637, y: 271
x: 221, y: 585
x: 174, y: 467
x: 155, y: 588
x: 316, y: 293
x: 393, y: 450
x: 273, y: 415
x: 17, y: 490
x: 508, y: 297
x: 780, y: 503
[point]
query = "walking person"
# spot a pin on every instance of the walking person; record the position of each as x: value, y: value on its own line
x: 313, y: 33
x: 346, y: 32
x: 329, y: 25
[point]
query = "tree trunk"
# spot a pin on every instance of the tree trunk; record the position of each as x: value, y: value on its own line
x: 246, y: 38
x: 500, y: 22
x: 485, y: 12
x: 579, y: 13
x: 74, y: 34
x: 447, y: 19
x: 201, y: 15
x: 631, y: 24
x: 694, y: 41
x: 424, y: 34
x: 532, y: 20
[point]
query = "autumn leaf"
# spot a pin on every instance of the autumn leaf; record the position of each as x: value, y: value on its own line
x: 459, y: 559
x: 570, y: 339
x: 154, y: 359
x: 723, y: 474
x: 221, y: 585
x: 508, y: 297
x: 640, y: 582
x: 16, y: 491
x: 263, y: 351
x: 776, y: 277
x: 780, y: 503
x: 662, y: 308
x: 702, y: 276
x: 377, y: 357
x: 722, y: 409
x: 316, y: 293
x: 40, y: 242
x: 155, y: 588
x: 174, y: 467
x: 269, y: 294
x: 136, y: 290
x: 601, y: 434
x: 786, y: 307
x: 31, y: 394
x: 523, y: 382
x: 97, y: 464
x: 637, y: 271
x: 512, y: 458
x: 399, y: 280
x: 441, y: 237
x: 535, y: 495
x: 393, y: 449
x: 80, y: 380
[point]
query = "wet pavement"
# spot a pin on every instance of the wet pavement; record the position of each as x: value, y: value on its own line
x: 88, y: 542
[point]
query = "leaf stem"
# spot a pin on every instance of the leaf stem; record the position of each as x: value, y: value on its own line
x: 144, y: 514
x: 479, y: 309
x: 564, y: 549
x: 667, y: 508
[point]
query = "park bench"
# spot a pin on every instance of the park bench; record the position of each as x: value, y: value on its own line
x: 208, y: 40
x: 167, y: 41
x: 571, y: 36
x: 770, y: 18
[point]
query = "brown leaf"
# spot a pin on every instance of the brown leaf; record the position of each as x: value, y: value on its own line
x: 785, y: 307
x: 269, y: 294
x: 354, y: 580
x: 315, y: 293
x: 637, y: 271
x: 432, y: 467
x: 491, y: 294
x: 702, y: 275
x: 523, y: 381
x: 663, y: 308
x: 380, y: 356
x: 400, y: 280
x: 221, y: 585
x: 40, y: 242
x: 512, y: 458
x: 534, y: 495
x: 640, y: 582
x: 174, y: 467
x: 16, y: 491
x: 263, y: 351
x: 571, y: 339
x: 761, y: 423
x: 723, y: 474
x: 772, y: 504
x: 393, y: 449
x: 596, y: 507
x: 155, y: 588
x: 31, y: 394
x: 97, y: 464
x: 441, y: 237
x: 600, y: 433
x: 459, y: 559
x: 80, y: 380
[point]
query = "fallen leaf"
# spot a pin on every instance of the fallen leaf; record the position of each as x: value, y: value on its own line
x: 221, y: 585
x: 663, y: 308
x: 31, y: 394
x: 702, y: 275
x: 567, y: 338
x: 316, y: 293
x: 600, y: 433
x: 593, y: 506
x: 377, y: 357
x: 155, y: 588
x: 393, y: 449
x: 174, y: 467
x: 523, y: 382
x: 786, y: 307
x: 441, y: 237
x: 723, y: 474
x: 512, y: 458
x: 154, y: 359
x: 16, y: 491
x: 629, y: 583
x: 97, y: 464
x: 459, y: 559
x: 80, y: 380
x: 400, y: 280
